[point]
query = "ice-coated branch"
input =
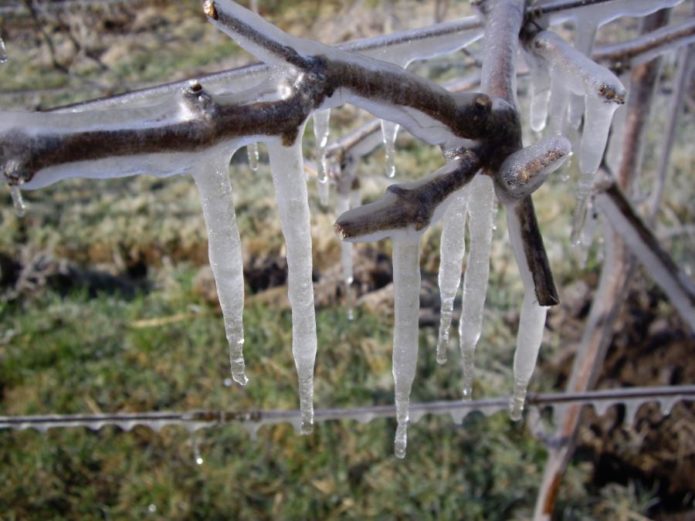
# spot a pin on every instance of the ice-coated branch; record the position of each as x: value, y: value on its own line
x: 648, y: 45
x: 623, y: 218
x: 616, y: 272
x: 408, y: 206
x: 384, y: 89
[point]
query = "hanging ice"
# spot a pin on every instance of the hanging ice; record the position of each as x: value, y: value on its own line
x: 597, y: 124
x: 345, y: 201
x: 481, y: 212
x: 3, y: 51
x: 531, y: 321
x: 406, y: 283
x: 253, y: 156
x: 453, y: 248
x: 211, y: 177
x: 321, y: 133
x: 18, y: 201
x: 540, y: 92
x: 287, y: 168
x: 389, y: 133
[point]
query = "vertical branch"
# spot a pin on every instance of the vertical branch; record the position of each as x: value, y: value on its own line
x: 686, y: 58
x: 617, y: 271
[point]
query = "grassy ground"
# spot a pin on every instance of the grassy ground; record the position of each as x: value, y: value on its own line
x: 106, y: 308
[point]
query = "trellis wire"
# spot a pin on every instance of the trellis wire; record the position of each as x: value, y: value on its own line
x: 456, y: 408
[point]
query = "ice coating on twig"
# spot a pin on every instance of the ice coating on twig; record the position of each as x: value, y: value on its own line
x: 287, y: 168
x: 574, y: 73
x: 523, y: 172
x: 389, y: 133
x: 322, y: 119
x: 406, y: 282
x: 531, y: 321
x: 211, y: 176
x: 453, y: 248
x: 481, y: 205
x: 605, y: 12
x: 273, y: 46
x: 253, y: 156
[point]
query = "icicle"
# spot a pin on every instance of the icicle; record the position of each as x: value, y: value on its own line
x: 531, y: 321
x: 389, y: 133
x: 253, y: 155
x: 346, y: 249
x: 3, y: 51
x: 287, y: 167
x: 614, y: 155
x: 540, y: 92
x: 20, y: 207
x: 406, y: 282
x: 211, y: 177
x: 559, y: 98
x: 599, y: 115
x: 453, y: 247
x: 481, y: 211
x: 322, y: 120
x: 528, y: 342
x: 197, y: 457
x: 583, y: 42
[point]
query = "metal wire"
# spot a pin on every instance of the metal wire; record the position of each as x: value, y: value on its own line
x: 457, y: 409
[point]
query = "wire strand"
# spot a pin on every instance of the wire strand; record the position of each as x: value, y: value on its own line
x: 458, y: 409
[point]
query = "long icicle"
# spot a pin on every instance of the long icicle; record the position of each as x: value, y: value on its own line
x: 480, y: 223
x: 287, y: 167
x: 453, y: 248
x: 406, y: 283
x: 211, y: 177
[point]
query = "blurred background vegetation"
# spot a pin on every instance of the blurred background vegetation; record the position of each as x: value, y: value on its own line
x: 108, y: 305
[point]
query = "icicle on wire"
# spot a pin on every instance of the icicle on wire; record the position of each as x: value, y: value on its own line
x: 481, y: 214
x: 406, y: 283
x: 452, y: 251
x: 287, y: 167
x: 322, y: 130
x: 211, y: 176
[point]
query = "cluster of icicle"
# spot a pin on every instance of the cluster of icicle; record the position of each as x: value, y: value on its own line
x: 572, y: 73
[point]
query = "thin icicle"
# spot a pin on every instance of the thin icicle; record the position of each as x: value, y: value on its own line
x: 389, y: 133
x: 558, y: 101
x: 211, y: 176
x: 406, y: 282
x: 585, y: 34
x: 597, y: 124
x: 540, y: 92
x: 20, y: 207
x: 3, y: 51
x: 346, y: 250
x: 253, y: 156
x: 287, y: 168
x: 322, y: 129
x: 453, y: 248
x: 481, y: 211
x: 531, y: 321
